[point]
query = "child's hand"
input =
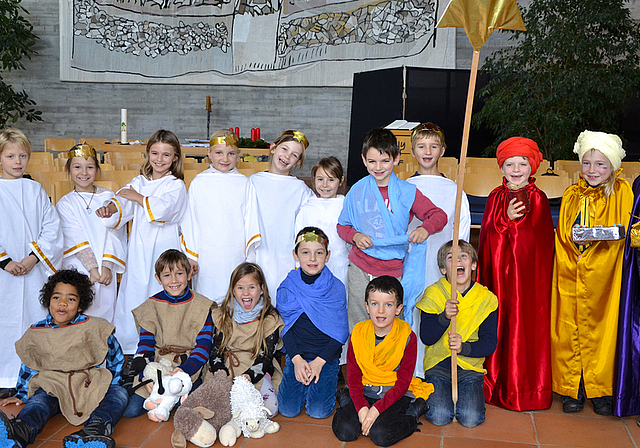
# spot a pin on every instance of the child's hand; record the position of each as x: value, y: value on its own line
x: 455, y: 342
x: 370, y: 418
x: 515, y: 209
x: 106, y: 276
x: 246, y: 376
x: 28, y: 262
x: 302, y: 370
x: 419, y: 235
x: 94, y: 275
x: 194, y: 266
x: 362, y: 414
x: 362, y: 241
x: 451, y: 308
x: 176, y: 370
x: 106, y: 211
x: 316, y: 367
x: 130, y: 194
x: 10, y: 400
x: 15, y: 268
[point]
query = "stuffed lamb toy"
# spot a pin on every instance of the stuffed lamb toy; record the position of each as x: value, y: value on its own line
x: 167, y: 389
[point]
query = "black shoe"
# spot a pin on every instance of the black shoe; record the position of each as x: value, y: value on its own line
x: 95, y: 431
x: 7, y: 392
x: 418, y: 407
x: 638, y: 421
x: 343, y: 397
x: 16, y: 431
x: 570, y: 404
x: 603, y: 405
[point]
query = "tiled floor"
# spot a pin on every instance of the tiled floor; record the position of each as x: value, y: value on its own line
x: 550, y: 428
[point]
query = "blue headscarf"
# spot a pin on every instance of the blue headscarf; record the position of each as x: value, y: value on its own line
x: 324, y: 302
x: 364, y: 209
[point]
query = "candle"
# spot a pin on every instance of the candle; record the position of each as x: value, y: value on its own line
x: 237, y: 132
x: 257, y: 133
x: 123, y: 126
x: 208, y: 103
x: 253, y: 133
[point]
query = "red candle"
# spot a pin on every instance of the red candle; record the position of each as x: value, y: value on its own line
x: 237, y: 132
x: 257, y: 133
x: 253, y: 133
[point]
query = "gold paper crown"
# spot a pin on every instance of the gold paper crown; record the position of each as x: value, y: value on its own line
x: 228, y: 140
x: 311, y: 237
x: 82, y: 150
x: 298, y: 136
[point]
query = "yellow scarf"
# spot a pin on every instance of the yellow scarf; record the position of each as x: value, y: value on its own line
x: 378, y: 362
x: 473, y: 309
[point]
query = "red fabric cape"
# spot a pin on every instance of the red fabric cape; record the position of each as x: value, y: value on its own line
x: 516, y: 263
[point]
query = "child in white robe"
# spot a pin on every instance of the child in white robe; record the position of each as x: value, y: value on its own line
x: 279, y: 198
x: 427, y: 146
x: 220, y: 229
x: 89, y: 247
x: 156, y: 200
x: 30, y: 249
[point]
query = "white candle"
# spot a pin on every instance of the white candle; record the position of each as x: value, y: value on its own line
x: 123, y: 126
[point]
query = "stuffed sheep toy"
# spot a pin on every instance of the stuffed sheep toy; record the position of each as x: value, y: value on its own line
x: 250, y: 417
x: 203, y: 413
x: 167, y: 389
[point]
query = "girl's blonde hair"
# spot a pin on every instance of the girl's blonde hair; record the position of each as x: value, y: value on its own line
x: 332, y: 166
x: 177, y: 167
x: 226, y: 322
x: 293, y: 136
x: 13, y: 136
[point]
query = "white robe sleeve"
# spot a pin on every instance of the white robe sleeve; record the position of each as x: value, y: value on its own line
x: 3, y: 254
x: 190, y: 229
x: 170, y: 207
x: 75, y: 238
x: 124, y: 213
x: 115, y: 250
x: 48, y: 244
x: 253, y: 237
x: 465, y: 218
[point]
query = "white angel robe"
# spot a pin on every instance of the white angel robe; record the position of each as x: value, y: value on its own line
x: 442, y: 192
x: 279, y: 200
x: 155, y: 228
x: 220, y: 229
x: 28, y: 223
x: 323, y: 213
x: 83, y: 229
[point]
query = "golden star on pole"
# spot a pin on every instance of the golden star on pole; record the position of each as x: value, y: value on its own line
x: 480, y: 17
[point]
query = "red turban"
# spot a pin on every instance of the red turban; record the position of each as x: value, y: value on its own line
x: 520, y: 147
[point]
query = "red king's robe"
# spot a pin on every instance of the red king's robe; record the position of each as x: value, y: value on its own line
x: 516, y: 263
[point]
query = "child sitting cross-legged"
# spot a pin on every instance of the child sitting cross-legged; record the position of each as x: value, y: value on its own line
x: 60, y: 355
x: 174, y: 324
x: 383, y: 400
x: 475, y: 337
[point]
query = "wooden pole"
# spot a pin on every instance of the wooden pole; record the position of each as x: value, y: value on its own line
x: 456, y: 220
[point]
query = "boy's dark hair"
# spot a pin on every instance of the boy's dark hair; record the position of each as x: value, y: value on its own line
x: 383, y: 140
x: 71, y: 277
x: 316, y: 231
x: 387, y: 285
x: 463, y: 246
x: 172, y: 258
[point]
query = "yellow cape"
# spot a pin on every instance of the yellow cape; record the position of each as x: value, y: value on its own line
x: 586, y: 292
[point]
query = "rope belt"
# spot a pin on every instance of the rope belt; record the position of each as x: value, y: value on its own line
x: 87, y: 383
x: 231, y: 359
x: 176, y: 351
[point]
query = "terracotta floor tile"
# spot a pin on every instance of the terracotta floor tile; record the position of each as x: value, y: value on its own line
x: 54, y: 425
x: 133, y: 432
x: 11, y: 410
x: 161, y: 438
x: 430, y: 428
x: 416, y: 440
x: 500, y: 424
x: 632, y: 428
x: 304, y: 418
x: 458, y: 442
x: 49, y: 444
x: 581, y: 431
x: 556, y: 406
x: 294, y: 435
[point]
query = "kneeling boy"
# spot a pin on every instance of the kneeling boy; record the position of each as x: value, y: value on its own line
x: 383, y: 400
x: 60, y: 355
x: 474, y: 339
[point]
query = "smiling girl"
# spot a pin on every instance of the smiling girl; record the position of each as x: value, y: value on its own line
x: 156, y: 202
x: 587, y: 277
x: 90, y: 247
x: 279, y: 197
x: 247, y: 333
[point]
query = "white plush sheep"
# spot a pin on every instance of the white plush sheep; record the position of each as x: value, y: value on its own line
x: 250, y: 417
x: 167, y: 390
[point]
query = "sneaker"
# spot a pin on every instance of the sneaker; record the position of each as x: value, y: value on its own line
x: 15, y: 431
x: 570, y: 404
x: 97, y: 432
x: 7, y: 392
x: 418, y: 407
x: 603, y: 405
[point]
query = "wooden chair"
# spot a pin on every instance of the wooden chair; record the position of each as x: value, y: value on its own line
x: 255, y: 166
x: 481, y: 184
x: 95, y: 142
x: 119, y: 178
x: 481, y: 164
x: 61, y: 187
x: 246, y: 171
x: 111, y: 185
x: 48, y: 179
x: 572, y: 167
x: 631, y: 169
x: 189, y: 176
x: 58, y: 144
x: 41, y: 157
x: 553, y: 186
x: 123, y: 160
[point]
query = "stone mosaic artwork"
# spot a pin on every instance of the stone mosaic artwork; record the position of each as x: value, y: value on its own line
x: 256, y: 42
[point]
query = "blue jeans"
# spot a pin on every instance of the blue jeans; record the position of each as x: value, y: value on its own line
x: 42, y: 406
x: 469, y: 408
x: 320, y: 396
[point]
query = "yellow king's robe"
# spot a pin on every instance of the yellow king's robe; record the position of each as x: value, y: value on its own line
x: 586, y: 291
